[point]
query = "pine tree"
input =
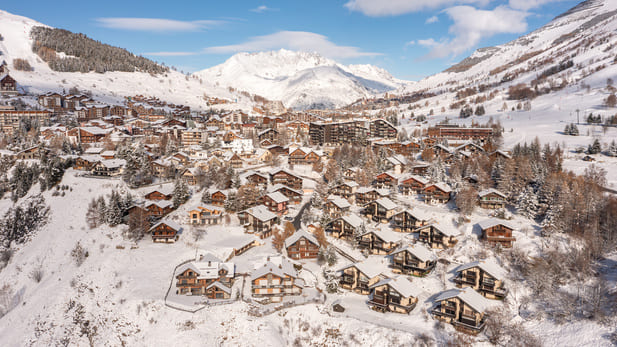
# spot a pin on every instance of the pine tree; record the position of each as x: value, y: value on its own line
x: 595, y: 147
x: 138, y: 223
x: 92, y: 215
x: 114, y: 209
x: 612, y: 149
x: 527, y: 203
x: 180, y: 194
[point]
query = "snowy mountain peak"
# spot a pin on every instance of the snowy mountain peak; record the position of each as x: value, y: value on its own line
x: 300, y: 79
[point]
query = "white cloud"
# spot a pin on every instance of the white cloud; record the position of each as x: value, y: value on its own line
x: 377, y: 8
x: 169, y: 54
x: 262, y: 9
x: 293, y: 40
x: 471, y: 25
x: 428, y: 43
x: 410, y: 43
x: 433, y: 19
x: 156, y: 24
x: 529, y: 4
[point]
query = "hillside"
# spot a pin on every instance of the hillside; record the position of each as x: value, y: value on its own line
x: 110, y: 86
x: 301, y: 80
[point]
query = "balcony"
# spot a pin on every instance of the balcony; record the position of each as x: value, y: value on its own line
x: 469, y: 323
x: 347, y: 280
x: 465, y: 280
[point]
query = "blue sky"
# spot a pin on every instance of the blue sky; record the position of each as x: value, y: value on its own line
x: 410, y: 38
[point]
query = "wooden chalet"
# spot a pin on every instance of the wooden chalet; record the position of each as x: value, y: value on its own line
x: 437, y: 236
x: 396, y: 294
x: 269, y: 134
x: 413, y: 185
x: 284, y: 177
x: 303, y: 156
x: 420, y: 169
x: 219, y: 197
x: 276, y: 202
x: 463, y: 308
x: 437, y: 193
x: 255, y: 178
x: 336, y: 206
x: 350, y: 174
x: 206, y: 215
x: 359, y: 277
x: 378, y: 241
x: 159, y: 208
x: 86, y: 162
x: 207, y: 276
x: 28, y: 153
x: 416, y: 260
x: 294, y: 196
x: 258, y: 220
x: 165, y: 231
x: 407, y: 221
x: 108, y: 168
x: 492, y: 199
x: 302, y: 245
x: 275, y: 279
x: 385, y: 180
x: 364, y: 195
x: 496, y: 231
x: 8, y: 85
x: 487, y: 278
x: 346, y: 190
x: 160, y: 194
x: 380, y: 210
x: 345, y: 227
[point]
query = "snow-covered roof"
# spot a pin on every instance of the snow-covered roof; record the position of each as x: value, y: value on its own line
x: 442, y: 186
x: 339, y: 202
x: 370, y: 267
x: 402, y: 285
x: 276, y: 265
x: 419, y: 251
x: 299, y: 234
x: 113, y: 163
x: 160, y: 203
x: 416, y: 178
x: 260, y: 212
x: 353, y: 220
x: 165, y: 190
x: 169, y: 223
x: 488, y: 266
x: 417, y: 214
x: 467, y: 295
x: 386, y: 203
x: 385, y: 235
x: 491, y: 222
x: 491, y: 190
x: 221, y: 286
x: 94, y: 150
x: 445, y: 230
x: 279, y: 186
x: 277, y: 197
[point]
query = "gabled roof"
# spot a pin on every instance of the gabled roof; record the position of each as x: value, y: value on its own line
x: 491, y: 222
x: 385, y: 235
x: 160, y: 203
x: 468, y: 296
x: 277, y: 197
x: 277, y: 265
x: 353, y: 220
x: 299, y: 234
x: 400, y: 284
x: 169, y: 223
x: 493, y: 191
x: 419, y: 251
x: 386, y: 203
x: 339, y: 202
x: 489, y: 267
x: 279, y: 186
x: 416, y: 178
x: 441, y: 186
x: 416, y: 213
x: 447, y: 231
x: 165, y: 190
x: 221, y: 286
x: 260, y: 212
x: 370, y: 268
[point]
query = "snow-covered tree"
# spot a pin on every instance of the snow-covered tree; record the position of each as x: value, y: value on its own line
x: 114, y: 209
x: 180, y: 194
x: 611, y: 151
x: 527, y: 203
x: 595, y: 147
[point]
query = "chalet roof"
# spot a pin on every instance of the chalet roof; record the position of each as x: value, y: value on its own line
x: 94, y: 150
x: 350, y: 184
x: 416, y: 213
x: 165, y: 190
x: 442, y: 186
x: 505, y: 154
x: 369, y: 267
x: 468, y: 296
x: 469, y: 143
x: 113, y: 163
x: 443, y: 148
x: 299, y: 234
x: 260, y: 212
x: 402, y: 285
x: 339, y: 202
x: 275, y: 265
x: 221, y: 286
x: 491, y: 191
x: 278, y: 170
x: 488, y: 266
x: 249, y: 173
x: 491, y: 222
x: 385, y: 235
x: 447, y: 231
x: 175, y: 226
x: 208, y: 267
x: 108, y: 153
x: 95, y: 130
x: 160, y: 203
x: 279, y: 186
x: 353, y: 220
x: 419, y: 251
x: 386, y: 203
x: 277, y: 197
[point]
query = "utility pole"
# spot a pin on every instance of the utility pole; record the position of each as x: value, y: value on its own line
x: 577, y: 119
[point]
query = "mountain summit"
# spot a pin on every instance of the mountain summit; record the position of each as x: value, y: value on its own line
x: 301, y: 80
